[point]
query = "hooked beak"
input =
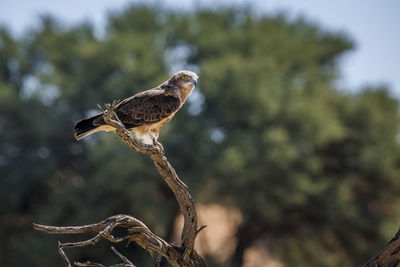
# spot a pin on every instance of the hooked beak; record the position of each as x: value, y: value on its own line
x: 194, y: 82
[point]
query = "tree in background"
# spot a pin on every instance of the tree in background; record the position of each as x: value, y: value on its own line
x: 309, y: 166
x: 312, y: 169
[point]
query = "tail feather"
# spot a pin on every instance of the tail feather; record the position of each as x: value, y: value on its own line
x: 86, y: 127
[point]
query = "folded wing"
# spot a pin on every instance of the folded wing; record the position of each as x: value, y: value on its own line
x: 147, y: 108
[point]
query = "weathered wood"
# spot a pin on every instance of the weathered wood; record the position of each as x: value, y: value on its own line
x: 389, y: 256
x: 182, y: 255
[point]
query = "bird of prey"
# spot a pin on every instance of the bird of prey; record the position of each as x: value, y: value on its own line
x: 146, y: 112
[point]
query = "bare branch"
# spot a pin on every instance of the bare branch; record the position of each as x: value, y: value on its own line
x: 389, y: 256
x: 169, y: 175
x: 184, y: 255
x: 201, y: 228
x: 63, y: 255
x: 127, y: 262
x: 88, y: 264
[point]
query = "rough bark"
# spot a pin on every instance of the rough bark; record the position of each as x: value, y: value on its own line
x: 183, y: 254
x: 389, y: 256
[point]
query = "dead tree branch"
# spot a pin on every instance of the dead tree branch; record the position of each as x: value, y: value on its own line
x: 389, y: 256
x: 182, y: 255
x: 126, y: 262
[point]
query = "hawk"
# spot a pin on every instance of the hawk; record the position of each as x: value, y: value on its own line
x: 146, y: 112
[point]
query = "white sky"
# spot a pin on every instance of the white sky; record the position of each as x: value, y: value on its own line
x: 373, y: 25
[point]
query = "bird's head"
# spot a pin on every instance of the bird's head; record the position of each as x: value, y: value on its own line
x: 184, y: 79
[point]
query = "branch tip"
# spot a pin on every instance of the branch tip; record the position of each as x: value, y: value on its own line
x: 200, y: 228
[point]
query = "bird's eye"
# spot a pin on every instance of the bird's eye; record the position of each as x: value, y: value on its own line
x: 186, y: 77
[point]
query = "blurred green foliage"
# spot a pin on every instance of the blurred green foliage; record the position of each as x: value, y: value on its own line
x: 313, y: 170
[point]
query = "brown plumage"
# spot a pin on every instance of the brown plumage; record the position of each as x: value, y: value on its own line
x: 145, y: 112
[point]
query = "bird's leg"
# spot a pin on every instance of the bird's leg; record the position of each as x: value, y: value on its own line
x: 153, y: 138
x: 156, y: 133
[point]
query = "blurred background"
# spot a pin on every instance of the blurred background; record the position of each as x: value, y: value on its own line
x: 290, y: 145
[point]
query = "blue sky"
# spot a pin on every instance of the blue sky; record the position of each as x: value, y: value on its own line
x: 373, y: 25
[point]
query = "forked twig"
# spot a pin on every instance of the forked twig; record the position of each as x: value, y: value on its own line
x: 183, y: 255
